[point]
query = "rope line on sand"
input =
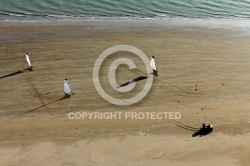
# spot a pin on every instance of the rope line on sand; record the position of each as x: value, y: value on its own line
x: 183, y: 125
x: 180, y: 90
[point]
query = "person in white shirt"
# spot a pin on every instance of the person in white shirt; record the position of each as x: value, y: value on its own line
x: 67, y: 89
x: 153, y: 65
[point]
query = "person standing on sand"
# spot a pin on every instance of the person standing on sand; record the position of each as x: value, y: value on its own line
x: 28, y: 60
x: 153, y: 65
x: 67, y: 89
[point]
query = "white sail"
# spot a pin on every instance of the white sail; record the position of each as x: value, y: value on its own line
x: 67, y: 88
x: 152, y: 63
x: 28, y: 60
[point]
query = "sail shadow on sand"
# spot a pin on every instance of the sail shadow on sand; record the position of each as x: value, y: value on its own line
x: 133, y: 81
x: 15, y: 73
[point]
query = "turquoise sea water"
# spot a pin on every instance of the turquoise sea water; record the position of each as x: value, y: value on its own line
x: 123, y: 9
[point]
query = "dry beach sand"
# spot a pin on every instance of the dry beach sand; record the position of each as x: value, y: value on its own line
x: 34, y: 124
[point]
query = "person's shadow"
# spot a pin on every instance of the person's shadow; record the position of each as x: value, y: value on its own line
x: 64, y: 97
x: 205, y: 130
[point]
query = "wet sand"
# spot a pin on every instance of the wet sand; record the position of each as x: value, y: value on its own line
x: 33, y: 134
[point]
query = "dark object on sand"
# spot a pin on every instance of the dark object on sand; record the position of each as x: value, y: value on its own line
x: 133, y: 81
x: 205, y: 130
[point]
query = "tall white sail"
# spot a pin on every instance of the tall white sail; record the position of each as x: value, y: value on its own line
x: 152, y: 63
x: 28, y: 60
